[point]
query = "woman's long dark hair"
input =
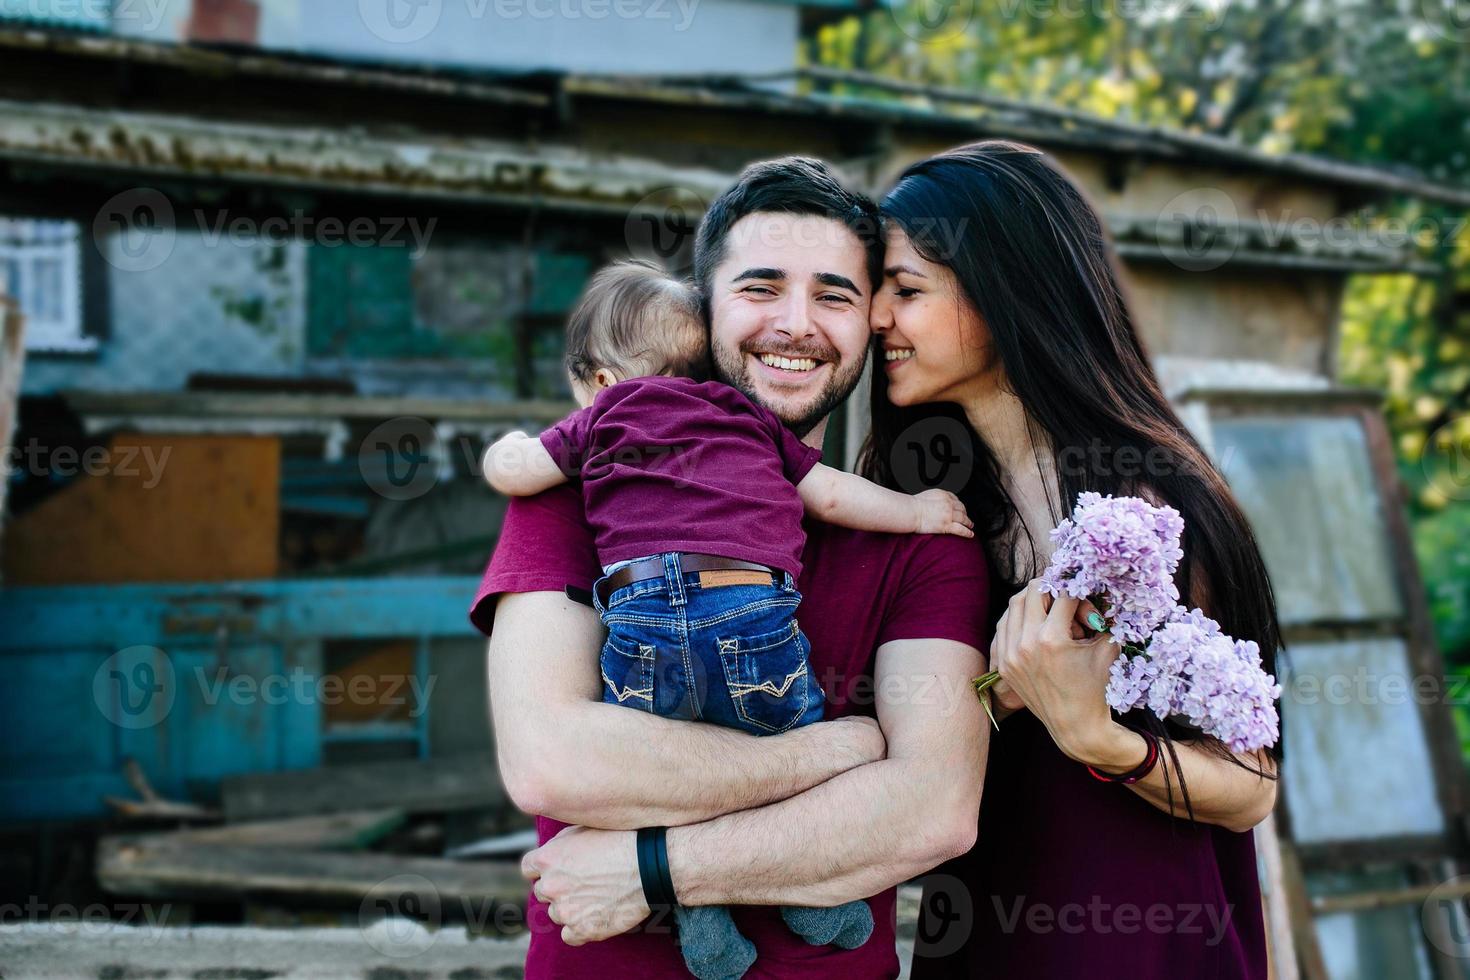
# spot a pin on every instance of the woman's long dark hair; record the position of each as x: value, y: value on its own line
x: 1032, y: 257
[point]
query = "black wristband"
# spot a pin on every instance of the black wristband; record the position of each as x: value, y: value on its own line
x: 653, y: 867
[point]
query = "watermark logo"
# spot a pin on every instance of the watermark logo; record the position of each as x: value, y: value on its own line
x: 933, y: 453
x: 400, y: 21
x: 400, y: 916
x: 1450, y: 19
x: 1443, y: 917
x: 661, y: 226
x: 931, y: 21
x: 1199, y: 229
x: 1446, y: 460
x: 140, y: 225
x: 135, y: 687
x: 398, y: 459
x: 946, y: 916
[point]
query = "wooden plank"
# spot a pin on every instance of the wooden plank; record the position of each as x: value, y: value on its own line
x: 162, y: 866
x: 65, y: 618
x: 331, y: 832
x: 415, y: 786
x: 178, y: 951
x: 1304, y: 930
x: 1439, y: 723
x: 249, y: 405
x: 1387, y: 898
x: 138, y: 518
x: 1274, y: 895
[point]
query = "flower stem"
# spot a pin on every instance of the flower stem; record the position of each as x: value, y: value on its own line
x: 982, y: 685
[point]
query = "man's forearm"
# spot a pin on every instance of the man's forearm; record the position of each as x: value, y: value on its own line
x: 620, y: 769
x: 854, y: 836
x: 566, y: 755
x: 861, y: 832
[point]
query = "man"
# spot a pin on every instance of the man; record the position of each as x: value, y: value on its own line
x: 786, y: 262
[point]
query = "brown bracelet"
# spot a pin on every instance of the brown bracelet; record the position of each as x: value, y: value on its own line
x: 1150, y: 759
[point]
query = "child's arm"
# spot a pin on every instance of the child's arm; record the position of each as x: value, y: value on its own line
x: 517, y: 465
x: 847, y: 499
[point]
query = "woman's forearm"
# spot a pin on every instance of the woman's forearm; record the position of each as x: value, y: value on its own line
x: 1220, y: 790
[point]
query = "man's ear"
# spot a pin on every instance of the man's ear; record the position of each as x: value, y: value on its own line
x: 604, y: 378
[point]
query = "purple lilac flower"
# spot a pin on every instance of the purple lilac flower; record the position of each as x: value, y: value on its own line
x: 1123, y: 550
x: 1192, y: 669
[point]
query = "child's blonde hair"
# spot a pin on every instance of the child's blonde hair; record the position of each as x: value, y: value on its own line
x: 639, y: 321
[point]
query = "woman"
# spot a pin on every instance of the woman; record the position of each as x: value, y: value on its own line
x: 1003, y: 309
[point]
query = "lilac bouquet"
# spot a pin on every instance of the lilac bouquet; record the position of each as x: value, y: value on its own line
x: 1121, y: 553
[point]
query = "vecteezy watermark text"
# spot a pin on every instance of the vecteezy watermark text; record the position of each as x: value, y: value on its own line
x: 137, y: 230
x: 411, y: 21
x: 137, y: 687
x: 68, y: 461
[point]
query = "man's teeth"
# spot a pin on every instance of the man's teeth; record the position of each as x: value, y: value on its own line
x: 898, y: 353
x: 788, y: 363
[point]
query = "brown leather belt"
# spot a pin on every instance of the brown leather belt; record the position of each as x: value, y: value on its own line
x: 649, y: 568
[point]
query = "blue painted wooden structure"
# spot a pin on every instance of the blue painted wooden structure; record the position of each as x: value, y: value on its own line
x: 194, y: 681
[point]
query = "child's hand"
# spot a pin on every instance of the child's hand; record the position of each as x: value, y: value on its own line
x: 940, y: 512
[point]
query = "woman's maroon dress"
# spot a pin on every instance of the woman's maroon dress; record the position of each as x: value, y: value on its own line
x: 1076, y: 878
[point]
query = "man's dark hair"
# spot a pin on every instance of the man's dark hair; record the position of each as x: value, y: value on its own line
x: 789, y: 185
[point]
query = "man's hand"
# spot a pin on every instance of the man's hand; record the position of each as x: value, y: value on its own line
x: 865, y: 739
x: 940, y: 512
x: 589, y: 880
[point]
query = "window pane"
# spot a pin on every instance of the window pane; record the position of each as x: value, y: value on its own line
x: 41, y: 261
x: 47, y: 296
x: 1308, y: 488
x: 1350, y: 708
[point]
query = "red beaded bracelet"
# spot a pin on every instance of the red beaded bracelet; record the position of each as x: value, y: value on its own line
x: 1138, y: 772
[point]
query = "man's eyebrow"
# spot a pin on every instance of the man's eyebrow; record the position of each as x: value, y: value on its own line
x: 840, y: 282
x: 894, y: 270
x: 760, y: 273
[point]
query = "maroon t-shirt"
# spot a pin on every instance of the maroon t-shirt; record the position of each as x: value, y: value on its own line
x: 670, y: 464
x: 860, y: 590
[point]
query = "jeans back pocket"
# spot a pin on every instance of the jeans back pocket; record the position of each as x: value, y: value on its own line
x: 769, y: 677
x: 627, y: 671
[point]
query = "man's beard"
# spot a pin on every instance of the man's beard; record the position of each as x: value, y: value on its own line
x: 732, y: 370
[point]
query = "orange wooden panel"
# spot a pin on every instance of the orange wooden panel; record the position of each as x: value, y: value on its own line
x: 156, y: 508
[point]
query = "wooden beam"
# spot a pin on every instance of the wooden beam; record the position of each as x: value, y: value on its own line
x: 163, y: 866
x: 330, y: 832
x: 1387, y: 898
x: 414, y: 786
x: 196, y: 405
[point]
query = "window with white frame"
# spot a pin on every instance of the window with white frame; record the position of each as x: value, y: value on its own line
x: 41, y: 266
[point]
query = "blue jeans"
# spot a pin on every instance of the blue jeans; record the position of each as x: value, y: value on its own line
x: 732, y: 655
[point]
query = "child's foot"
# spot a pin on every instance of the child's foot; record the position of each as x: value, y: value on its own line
x: 847, y: 926
x: 859, y: 927
x: 713, y: 948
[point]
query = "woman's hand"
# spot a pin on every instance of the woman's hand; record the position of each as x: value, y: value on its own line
x: 1053, y: 661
